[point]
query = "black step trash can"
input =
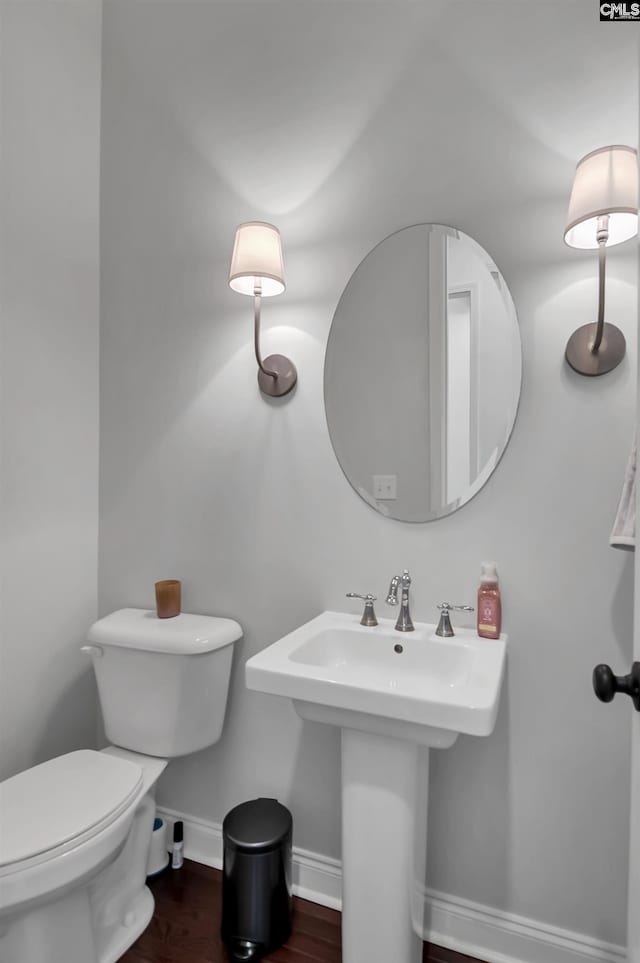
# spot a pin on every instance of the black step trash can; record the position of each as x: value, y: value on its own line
x: 256, y: 881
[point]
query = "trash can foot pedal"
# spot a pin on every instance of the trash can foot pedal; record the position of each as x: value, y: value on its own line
x: 242, y: 951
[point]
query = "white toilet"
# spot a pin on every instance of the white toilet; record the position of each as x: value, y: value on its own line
x: 75, y: 831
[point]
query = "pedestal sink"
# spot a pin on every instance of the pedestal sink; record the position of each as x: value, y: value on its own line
x: 394, y: 695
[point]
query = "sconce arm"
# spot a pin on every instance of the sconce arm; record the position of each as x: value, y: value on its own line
x: 277, y: 374
x: 594, y: 349
x: 257, y: 302
x: 602, y: 268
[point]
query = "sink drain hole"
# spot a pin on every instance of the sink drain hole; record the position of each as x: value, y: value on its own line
x: 398, y: 648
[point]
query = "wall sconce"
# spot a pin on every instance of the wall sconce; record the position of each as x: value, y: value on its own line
x: 603, y: 211
x: 257, y: 270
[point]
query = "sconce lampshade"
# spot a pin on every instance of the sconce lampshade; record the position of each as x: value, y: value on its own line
x: 606, y: 182
x: 257, y: 260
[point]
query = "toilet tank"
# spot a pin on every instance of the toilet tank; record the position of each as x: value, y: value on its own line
x: 162, y: 683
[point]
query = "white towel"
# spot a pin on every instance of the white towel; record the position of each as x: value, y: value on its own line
x: 623, y: 533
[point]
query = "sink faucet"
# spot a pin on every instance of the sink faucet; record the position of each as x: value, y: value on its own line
x: 404, y: 623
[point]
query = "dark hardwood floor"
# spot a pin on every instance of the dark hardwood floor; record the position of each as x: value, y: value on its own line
x: 186, y: 926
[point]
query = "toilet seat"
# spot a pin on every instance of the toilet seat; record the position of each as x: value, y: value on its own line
x: 60, y: 804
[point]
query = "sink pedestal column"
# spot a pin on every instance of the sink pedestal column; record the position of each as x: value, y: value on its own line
x: 379, y: 794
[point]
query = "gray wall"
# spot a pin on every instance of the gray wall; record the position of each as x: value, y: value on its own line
x: 342, y: 127
x: 50, y: 111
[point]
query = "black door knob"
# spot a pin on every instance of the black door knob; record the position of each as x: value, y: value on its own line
x: 606, y: 684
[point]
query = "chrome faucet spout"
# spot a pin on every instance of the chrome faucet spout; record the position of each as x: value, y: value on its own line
x: 404, y: 623
x: 392, y: 596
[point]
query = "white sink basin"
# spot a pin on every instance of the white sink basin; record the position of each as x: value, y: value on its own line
x: 411, y: 685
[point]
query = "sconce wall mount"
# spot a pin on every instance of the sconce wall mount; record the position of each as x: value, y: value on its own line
x: 257, y: 270
x: 603, y: 212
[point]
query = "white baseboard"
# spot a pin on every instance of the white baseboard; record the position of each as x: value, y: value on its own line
x: 458, y: 924
x: 499, y: 937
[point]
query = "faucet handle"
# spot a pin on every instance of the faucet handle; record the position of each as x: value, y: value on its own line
x: 445, y: 629
x: 368, y: 616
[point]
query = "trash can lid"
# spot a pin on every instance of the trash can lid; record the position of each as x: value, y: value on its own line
x: 257, y: 826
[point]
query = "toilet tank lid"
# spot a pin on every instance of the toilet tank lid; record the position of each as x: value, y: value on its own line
x: 182, y: 635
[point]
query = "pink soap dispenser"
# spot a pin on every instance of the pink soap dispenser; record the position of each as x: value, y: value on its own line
x: 489, y: 603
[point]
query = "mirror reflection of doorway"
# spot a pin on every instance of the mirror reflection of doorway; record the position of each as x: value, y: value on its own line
x: 461, y: 392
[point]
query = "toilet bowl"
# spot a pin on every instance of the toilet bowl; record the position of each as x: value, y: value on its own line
x: 76, y: 829
x: 68, y: 883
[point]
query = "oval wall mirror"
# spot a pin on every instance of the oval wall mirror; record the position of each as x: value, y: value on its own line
x: 422, y: 373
